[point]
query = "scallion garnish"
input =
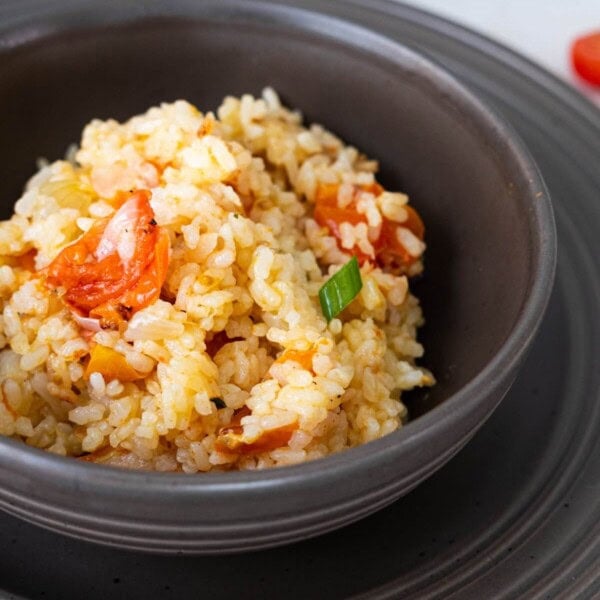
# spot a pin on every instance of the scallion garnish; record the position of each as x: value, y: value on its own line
x: 337, y: 292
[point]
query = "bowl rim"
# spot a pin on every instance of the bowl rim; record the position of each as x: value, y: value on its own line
x: 16, y: 456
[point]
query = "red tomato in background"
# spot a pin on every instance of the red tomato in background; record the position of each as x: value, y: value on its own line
x: 585, y: 56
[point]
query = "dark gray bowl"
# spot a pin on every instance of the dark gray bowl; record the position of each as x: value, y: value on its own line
x: 489, y: 267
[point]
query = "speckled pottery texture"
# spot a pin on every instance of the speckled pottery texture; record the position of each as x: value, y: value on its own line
x: 490, y: 232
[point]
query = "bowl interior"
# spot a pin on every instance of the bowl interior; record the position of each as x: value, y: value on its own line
x: 479, y: 258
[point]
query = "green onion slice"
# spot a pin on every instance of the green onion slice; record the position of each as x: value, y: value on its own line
x: 337, y: 292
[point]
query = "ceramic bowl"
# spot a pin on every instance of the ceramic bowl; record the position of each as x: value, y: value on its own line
x: 489, y: 264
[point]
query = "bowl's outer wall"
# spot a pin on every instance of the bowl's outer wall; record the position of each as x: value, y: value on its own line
x: 474, y: 195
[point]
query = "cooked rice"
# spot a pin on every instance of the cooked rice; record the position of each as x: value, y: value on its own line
x: 235, y: 191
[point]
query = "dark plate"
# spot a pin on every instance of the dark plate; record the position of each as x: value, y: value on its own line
x: 517, y: 512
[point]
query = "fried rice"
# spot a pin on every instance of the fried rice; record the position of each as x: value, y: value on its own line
x: 228, y: 361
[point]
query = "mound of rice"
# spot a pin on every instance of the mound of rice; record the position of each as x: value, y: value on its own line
x: 235, y: 192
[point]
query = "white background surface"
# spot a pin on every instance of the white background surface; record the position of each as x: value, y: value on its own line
x: 542, y: 30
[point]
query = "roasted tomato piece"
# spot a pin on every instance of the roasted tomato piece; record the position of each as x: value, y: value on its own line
x: 118, y: 266
x: 389, y: 251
